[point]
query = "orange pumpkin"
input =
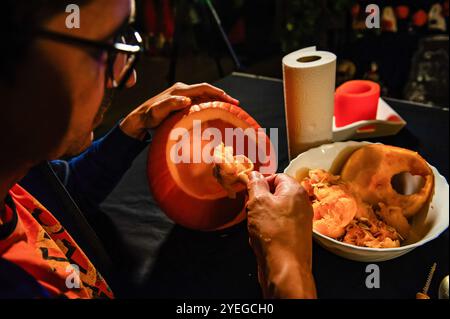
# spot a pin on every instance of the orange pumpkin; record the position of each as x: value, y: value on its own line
x: 187, y: 191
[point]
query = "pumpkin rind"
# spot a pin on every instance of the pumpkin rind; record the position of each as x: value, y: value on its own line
x: 182, y: 206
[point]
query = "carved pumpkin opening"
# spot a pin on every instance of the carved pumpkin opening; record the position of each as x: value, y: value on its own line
x: 407, y: 184
x: 180, y: 179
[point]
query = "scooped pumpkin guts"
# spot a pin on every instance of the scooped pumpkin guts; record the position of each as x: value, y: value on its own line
x: 230, y: 170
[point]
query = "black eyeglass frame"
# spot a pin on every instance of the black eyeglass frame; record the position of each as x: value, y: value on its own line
x: 112, y: 49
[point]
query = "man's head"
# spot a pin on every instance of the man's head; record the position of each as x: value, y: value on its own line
x: 52, y: 91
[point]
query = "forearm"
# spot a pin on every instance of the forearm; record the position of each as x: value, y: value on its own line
x: 285, y: 274
x: 289, y: 279
x: 95, y: 173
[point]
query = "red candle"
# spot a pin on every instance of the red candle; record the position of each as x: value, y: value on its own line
x: 356, y: 101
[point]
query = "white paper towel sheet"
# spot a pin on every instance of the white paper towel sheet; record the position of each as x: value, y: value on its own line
x: 309, y: 85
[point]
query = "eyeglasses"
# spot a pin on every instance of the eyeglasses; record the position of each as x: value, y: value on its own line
x: 123, y: 52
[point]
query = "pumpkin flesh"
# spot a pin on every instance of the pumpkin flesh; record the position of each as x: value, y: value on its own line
x: 189, y: 193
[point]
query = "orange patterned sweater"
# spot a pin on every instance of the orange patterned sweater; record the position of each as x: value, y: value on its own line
x: 32, y: 238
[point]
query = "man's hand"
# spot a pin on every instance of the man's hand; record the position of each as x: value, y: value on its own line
x: 280, y: 229
x: 152, y: 112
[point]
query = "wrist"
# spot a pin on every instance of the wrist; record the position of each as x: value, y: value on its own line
x: 133, y: 126
x: 296, y: 248
x: 288, y: 277
x: 287, y: 271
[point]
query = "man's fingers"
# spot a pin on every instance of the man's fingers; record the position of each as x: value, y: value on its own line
x: 205, y: 90
x: 174, y: 103
x: 257, y: 185
x: 163, y: 108
x: 223, y: 97
x: 284, y: 185
x: 270, y: 180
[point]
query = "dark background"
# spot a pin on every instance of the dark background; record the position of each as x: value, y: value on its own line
x: 410, y: 64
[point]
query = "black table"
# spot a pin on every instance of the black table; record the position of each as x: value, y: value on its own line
x: 176, y: 262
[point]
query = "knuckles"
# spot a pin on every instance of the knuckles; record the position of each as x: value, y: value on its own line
x: 178, y: 86
x: 260, y: 200
x: 300, y: 192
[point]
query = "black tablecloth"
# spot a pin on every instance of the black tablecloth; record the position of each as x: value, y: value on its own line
x: 176, y: 262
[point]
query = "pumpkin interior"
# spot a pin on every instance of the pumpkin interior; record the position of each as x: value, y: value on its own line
x: 196, y: 178
x: 188, y: 193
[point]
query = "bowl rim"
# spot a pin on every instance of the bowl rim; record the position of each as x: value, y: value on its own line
x: 421, y: 242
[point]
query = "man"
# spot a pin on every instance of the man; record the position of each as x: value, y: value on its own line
x: 54, y: 86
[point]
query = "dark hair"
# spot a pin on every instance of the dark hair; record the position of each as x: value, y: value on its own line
x: 19, y: 19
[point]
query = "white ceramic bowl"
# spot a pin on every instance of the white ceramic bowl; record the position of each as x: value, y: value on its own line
x: 429, y: 224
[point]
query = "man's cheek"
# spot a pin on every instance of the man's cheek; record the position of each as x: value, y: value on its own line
x: 98, y: 119
x: 79, y: 145
x: 94, y: 86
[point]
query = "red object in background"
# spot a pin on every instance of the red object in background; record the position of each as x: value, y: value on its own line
x: 402, y: 12
x: 168, y: 22
x: 356, y: 101
x: 188, y: 193
x: 237, y: 33
x: 420, y: 18
x: 158, y: 19
x: 445, y: 7
x: 356, y: 8
x: 149, y: 12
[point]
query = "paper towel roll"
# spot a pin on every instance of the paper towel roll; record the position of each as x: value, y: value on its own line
x: 309, y: 83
